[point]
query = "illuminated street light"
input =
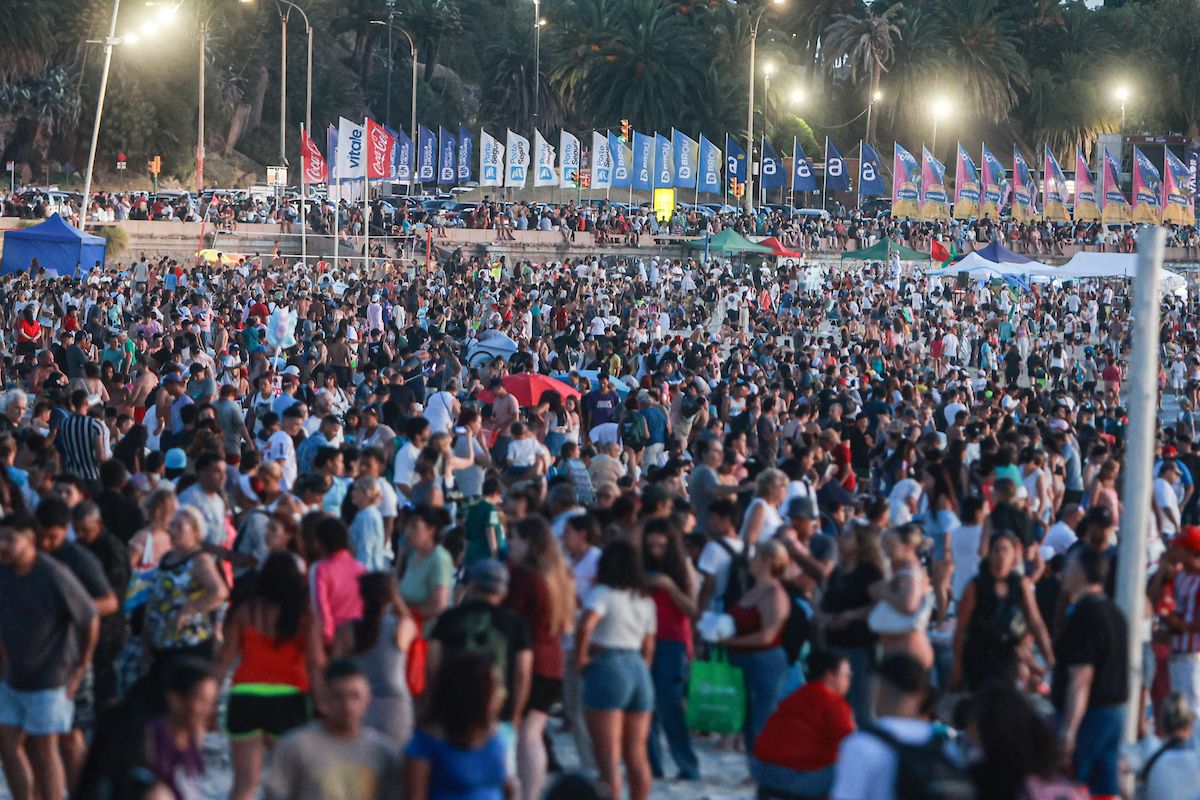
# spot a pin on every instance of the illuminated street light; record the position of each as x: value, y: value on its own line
x: 939, y: 108
x: 1122, y: 95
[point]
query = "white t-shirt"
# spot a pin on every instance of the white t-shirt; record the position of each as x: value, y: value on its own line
x: 626, y: 617
x: 1164, y: 495
x: 524, y: 452
x: 282, y: 450
x: 406, y: 462
x: 899, y: 511
x: 1059, y: 538
x: 964, y: 545
x: 866, y: 765
x: 585, y: 571
x: 439, y: 410
x: 715, y: 560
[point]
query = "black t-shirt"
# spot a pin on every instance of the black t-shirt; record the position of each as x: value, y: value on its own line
x: 113, y: 557
x: 1095, y: 634
x: 479, y: 626
x: 86, y: 567
x: 41, y: 618
x: 847, y: 591
x: 1009, y: 518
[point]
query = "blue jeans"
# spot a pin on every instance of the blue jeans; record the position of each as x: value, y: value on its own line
x: 1097, y: 747
x: 862, y: 665
x: 669, y: 672
x: 764, y: 671
x: 781, y: 779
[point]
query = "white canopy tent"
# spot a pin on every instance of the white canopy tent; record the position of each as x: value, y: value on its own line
x: 1107, y: 265
x: 981, y: 268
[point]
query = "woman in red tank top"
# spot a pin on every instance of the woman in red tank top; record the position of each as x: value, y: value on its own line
x: 758, y: 619
x: 673, y: 584
x: 276, y: 642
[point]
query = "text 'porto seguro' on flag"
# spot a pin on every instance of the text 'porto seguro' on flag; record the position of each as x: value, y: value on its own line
x: 466, y: 156
x: 933, y: 188
x: 993, y: 185
x: 312, y: 163
x: 379, y: 151
x: 427, y: 154
x: 684, y: 153
x: 516, y: 165
x: 1087, y: 207
x: 870, y: 175
x: 735, y: 162
x: 447, y: 158
x: 1024, y: 190
x: 1054, y: 190
x: 1116, y: 207
x: 708, y: 179
x: 771, y: 172
x: 1178, y: 201
x: 543, y: 161
x: 837, y: 177
x: 570, y: 157
x: 622, y: 158
x: 664, y: 162
x: 643, y: 161
x: 966, y: 186
x: 906, y: 184
x: 491, y: 160
x: 602, y: 161
x: 804, y: 178
x: 1147, y: 190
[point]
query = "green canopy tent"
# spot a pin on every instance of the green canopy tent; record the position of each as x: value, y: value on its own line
x: 882, y: 251
x: 727, y: 242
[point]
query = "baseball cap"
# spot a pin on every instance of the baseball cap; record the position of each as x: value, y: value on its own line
x: 172, y: 377
x: 292, y: 370
x: 175, y: 459
x: 488, y: 575
x: 802, y: 508
x: 1189, y: 538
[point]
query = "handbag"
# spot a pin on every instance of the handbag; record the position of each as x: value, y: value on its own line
x: 415, y: 664
x: 716, y: 701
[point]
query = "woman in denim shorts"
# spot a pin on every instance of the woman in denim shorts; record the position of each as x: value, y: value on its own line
x: 614, y: 649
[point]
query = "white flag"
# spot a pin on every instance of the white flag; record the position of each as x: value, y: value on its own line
x: 543, y: 161
x: 351, y: 160
x: 491, y: 160
x: 518, y: 161
x: 602, y: 161
x: 569, y: 145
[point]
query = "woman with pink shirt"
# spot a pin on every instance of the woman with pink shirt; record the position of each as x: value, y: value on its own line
x: 334, y: 579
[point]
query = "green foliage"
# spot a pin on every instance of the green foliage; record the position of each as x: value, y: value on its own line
x: 116, y: 239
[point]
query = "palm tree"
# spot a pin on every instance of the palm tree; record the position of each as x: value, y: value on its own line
x: 509, y: 87
x: 26, y: 37
x: 648, y: 65
x: 867, y: 45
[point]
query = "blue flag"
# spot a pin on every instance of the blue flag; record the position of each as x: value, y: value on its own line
x: 685, y: 160
x: 870, y: 178
x: 331, y: 146
x: 621, y: 178
x: 401, y: 156
x: 427, y: 153
x: 771, y: 173
x: 447, y: 158
x: 643, y: 161
x: 709, y: 167
x: 664, y: 162
x: 735, y: 160
x: 466, y: 156
x: 836, y: 175
x: 803, y: 179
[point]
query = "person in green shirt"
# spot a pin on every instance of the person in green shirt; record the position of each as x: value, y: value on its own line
x: 484, y: 527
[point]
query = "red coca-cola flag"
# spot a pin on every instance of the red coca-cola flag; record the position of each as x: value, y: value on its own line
x: 313, y: 164
x: 379, y: 151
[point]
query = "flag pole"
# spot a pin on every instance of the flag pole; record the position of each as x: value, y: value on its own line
x: 825, y: 178
x: 303, y: 201
x: 858, y: 183
x: 696, y: 198
x: 366, y: 210
x: 725, y: 196
x: 792, y: 177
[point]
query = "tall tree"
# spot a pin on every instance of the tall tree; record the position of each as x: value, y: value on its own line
x: 867, y: 45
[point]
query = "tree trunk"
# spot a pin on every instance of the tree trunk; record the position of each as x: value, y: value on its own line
x: 258, y: 98
x: 237, y: 125
x: 874, y: 113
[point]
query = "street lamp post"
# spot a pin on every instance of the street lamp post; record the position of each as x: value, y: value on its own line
x: 387, y: 114
x: 875, y: 97
x: 204, y: 23
x: 1122, y: 94
x: 748, y: 194
x: 109, y: 42
x: 939, y: 107
x: 537, y: 57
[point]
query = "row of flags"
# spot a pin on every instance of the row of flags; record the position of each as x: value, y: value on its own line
x: 369, y: 151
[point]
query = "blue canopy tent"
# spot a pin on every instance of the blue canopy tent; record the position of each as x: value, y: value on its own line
x: 56, y: 245
x: 1002, y: 255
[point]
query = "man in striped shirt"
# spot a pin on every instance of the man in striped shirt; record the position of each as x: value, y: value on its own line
x: 1184, y: 619
x: 80, y: 440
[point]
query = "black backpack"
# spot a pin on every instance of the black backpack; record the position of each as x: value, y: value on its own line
x: 924, y: 771
x: 740, y: 578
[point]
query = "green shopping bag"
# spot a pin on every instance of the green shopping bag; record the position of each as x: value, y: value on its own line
x: 716, y: 700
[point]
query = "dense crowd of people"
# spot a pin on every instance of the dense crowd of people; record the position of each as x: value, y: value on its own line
x: 399, y: 523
